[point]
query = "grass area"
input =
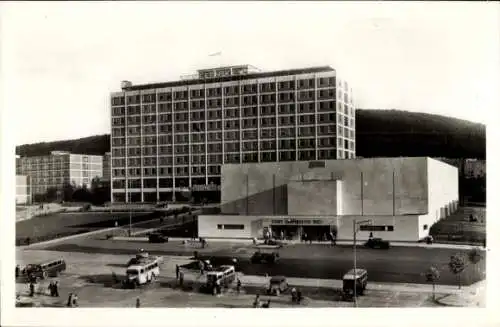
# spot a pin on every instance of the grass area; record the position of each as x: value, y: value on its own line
x: 57, y: 225
x: 457, y: 228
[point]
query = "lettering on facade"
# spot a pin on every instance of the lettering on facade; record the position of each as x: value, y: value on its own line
x: 298, y: 222
x: 210, y: 187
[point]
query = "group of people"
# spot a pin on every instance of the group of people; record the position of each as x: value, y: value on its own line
x: 54, y: 289
x: 72, y: 300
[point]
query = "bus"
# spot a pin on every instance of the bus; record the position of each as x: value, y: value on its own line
x: 144, y: 272
x: 44, y: 270
x: 221, y: 276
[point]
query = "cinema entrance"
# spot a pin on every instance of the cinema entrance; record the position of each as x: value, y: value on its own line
x: 296, y: 229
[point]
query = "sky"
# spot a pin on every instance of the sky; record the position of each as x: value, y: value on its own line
x: 60, y: 61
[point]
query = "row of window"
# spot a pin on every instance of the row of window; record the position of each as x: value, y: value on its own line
x: 199, y: 127
x: 327, y: 145
x: 265, y: 133
x: 233, y: 147
x: 165, y: 182
x: 228, y: 90
x: 167, y: 171
x: 199, y: 108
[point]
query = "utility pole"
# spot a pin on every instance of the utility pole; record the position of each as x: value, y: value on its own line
x: 355, y: 225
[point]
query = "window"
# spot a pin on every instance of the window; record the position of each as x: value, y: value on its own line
x: 231, y: 226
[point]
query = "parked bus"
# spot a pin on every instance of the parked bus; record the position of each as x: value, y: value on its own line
x: 144, y: 272
x: 43, y: 270
x: 220, y: 276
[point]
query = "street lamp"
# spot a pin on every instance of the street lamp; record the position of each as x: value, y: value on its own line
x: 355, y: 225
x: 130, y: 216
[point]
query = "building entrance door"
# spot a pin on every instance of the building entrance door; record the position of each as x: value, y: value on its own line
x: 317, y: 233
x: 289, y: 232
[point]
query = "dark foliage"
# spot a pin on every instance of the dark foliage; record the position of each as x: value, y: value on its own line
x: 394, y: 133
x: 92, y: 145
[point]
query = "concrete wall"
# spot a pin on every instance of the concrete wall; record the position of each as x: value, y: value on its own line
x: 322, y: 193
x: 405, y: 227
x: 411, y: 192
x: 207, y: 226
x: 443, y: 193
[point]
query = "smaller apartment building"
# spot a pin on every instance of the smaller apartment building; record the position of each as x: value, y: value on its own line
x: 58, y: 169
x: 23, y: 190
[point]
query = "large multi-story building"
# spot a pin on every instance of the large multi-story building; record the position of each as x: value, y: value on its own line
x: 59, y: 168
x: 174, y: 136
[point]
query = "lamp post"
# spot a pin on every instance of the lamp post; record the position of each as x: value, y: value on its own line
x: 355, y: 224
x: 130, y: 217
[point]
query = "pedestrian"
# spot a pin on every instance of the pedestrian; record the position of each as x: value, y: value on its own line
x: 70, y: 300
x: 75, y: 300
x: 28, y: 241
x: 181, y: 279
x: 176, y: 271
x: 238, y: 286
x: 51, y: 289
x: 256, y: 302
x: 32, y: 289
x: 18, y: 270
x: 56, y: 289
x: 138, y: 303
x: 282, y: 235
x: 371, y: 235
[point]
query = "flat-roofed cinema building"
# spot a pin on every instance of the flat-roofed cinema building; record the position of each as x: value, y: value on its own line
x: 401, y: 197
x: 59, y: 168
x: 176, y: 135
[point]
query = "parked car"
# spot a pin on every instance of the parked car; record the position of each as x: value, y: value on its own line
x: 264, y: 257
x: 157, y: 238
x: 428, y: 240
x: 377, y: 243
x: 277, y: 285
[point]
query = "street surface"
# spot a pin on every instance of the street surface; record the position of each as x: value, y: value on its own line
x: 89, y: 276
x: 396, y: 265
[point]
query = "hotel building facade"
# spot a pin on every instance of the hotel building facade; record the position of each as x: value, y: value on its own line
x: 174, y: 137
x: 59, y: 168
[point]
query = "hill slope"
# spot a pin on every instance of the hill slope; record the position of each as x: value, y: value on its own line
x: 379, y: 133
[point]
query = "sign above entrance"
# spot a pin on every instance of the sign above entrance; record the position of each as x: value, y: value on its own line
x: 300, y: 222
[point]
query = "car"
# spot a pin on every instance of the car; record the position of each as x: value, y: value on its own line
x: 277, y: 285
x: 377, y: 243
x: 157, y: 238
x: 264, y: 257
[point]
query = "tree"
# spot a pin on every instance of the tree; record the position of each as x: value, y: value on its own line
x: 432, y: 276
x: 457, y: 266
x: 68, y: 190
x: 474, y: 256
x: 51, y: 194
